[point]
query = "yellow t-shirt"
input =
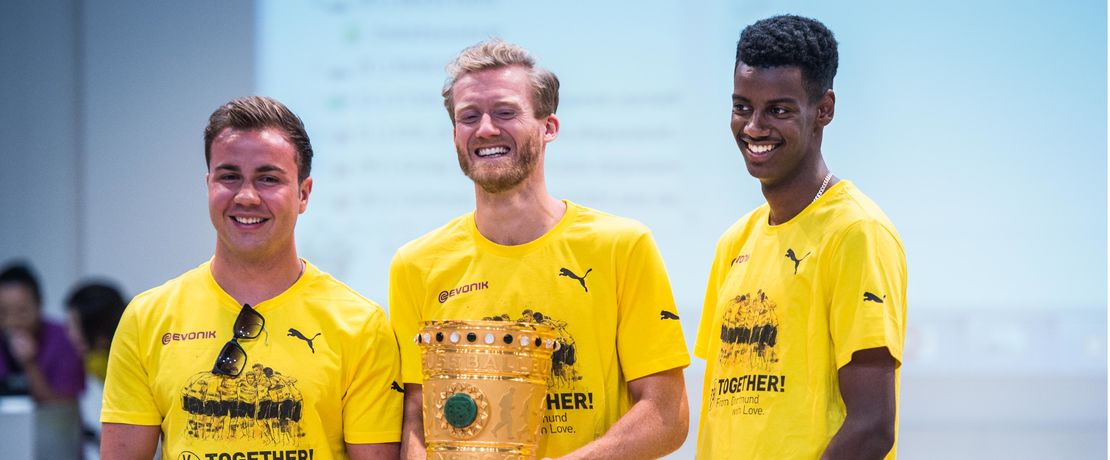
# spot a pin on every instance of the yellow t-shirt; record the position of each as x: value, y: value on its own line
x: 597, y: 278
x: 785, y: 308
x: 324, y: 372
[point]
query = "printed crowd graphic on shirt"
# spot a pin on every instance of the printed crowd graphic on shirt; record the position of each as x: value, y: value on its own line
x: 563, y: 393
x: 748, y: 333
x: 563, y: 370
x: 261, y: 404
x: 748, y: 362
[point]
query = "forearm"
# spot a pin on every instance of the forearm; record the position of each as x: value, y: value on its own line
x: 642, y: 433
x: 120, y: 441
x: 412, y: 426
x: 867, y: 385
x: 384, y: 451
x: 860, y: 439
x: 655, y: 425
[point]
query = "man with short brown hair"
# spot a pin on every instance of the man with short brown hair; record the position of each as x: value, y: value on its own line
x: 322, y: 385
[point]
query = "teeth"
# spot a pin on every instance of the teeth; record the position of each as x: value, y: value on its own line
x: 760, y: 148
x: 248, y: 220
x: 485, y: 152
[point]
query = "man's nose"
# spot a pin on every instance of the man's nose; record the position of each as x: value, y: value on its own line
x: 755, y: 127
x: 486, y: 128
x: 247, y: 194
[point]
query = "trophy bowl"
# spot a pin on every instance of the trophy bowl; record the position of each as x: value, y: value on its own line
x: 485, y: 384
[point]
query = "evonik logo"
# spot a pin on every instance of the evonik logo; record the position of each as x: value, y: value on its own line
x: 186, y: 336
x: 444, y: 295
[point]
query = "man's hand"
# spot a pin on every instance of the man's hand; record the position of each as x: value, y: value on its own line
x: 22, y: 346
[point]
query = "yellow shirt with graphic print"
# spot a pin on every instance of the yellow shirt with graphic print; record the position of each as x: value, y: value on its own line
x: 323, y: 373
x: 596, y: 278
x: 785, y: 308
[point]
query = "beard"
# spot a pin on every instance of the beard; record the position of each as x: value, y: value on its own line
x: 501, y: 177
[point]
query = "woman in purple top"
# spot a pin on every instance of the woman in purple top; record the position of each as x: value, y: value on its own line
x: 36, y: 356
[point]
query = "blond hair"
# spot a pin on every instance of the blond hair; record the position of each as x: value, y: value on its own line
x: 495, y: 53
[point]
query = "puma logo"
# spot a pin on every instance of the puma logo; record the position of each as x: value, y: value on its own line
x: 664, y: 314
x: 867, y: 296
x: 396, y: 387
x: 790, y: 255
x: 581, y: 279
x: 297, y: 334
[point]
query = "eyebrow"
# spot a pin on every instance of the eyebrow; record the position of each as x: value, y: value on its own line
x: 261, y: 169
x: 501, y: 103
x: 781, y: 100
x: 268, y: 168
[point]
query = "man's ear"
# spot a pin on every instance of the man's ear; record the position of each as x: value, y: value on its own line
x: 305, y: 190
x: 826, y: 108
x: 551, y: 128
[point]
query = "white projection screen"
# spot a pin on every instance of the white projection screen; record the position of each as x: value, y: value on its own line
x: 644, y: 117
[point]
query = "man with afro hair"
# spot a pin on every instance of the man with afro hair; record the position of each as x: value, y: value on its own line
x: 804, y: 316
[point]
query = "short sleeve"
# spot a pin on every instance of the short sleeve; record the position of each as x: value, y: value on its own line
x: 127, y: 393
x: 372, y: 404
x: 868, y: 292
x: 649, y: 334
x: 405, y: 317
x: 717, y: 273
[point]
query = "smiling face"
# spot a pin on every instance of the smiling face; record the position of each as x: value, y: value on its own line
x: 499, y: 141
x: 253, y: 194
x: 776, y: 126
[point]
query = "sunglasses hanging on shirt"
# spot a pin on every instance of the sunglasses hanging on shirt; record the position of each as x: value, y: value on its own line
x: 232, y: 358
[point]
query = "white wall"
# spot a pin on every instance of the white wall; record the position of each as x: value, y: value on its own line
x: 104, y: 107
x: 39, y: 181
x: 152, y: 73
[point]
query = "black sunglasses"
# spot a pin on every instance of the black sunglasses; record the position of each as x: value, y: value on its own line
x: 232, y: 359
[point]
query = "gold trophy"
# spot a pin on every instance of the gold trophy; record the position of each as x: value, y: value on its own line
x: 485, y: 384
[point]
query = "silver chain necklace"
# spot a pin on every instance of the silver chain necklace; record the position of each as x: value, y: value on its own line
x: 824, y: 184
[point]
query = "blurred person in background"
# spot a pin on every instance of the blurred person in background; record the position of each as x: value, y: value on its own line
x: 93, y: 312
x: 37, y: 359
